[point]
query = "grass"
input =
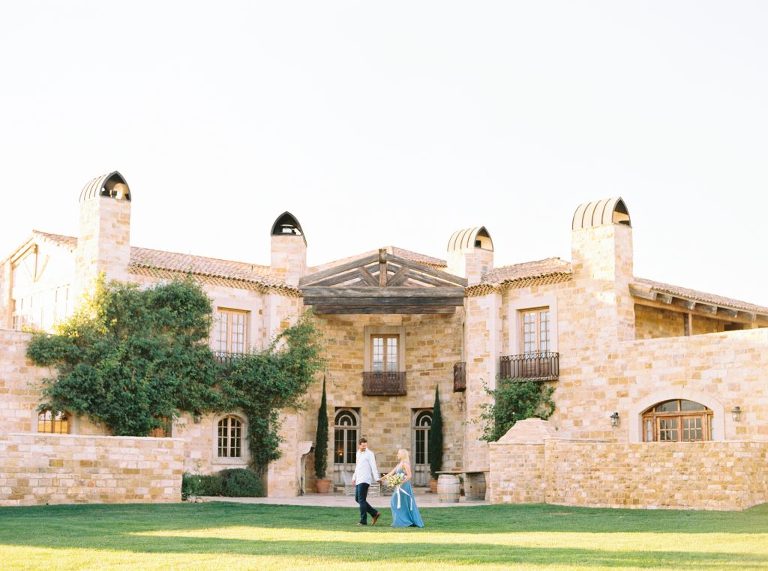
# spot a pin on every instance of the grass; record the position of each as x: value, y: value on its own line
x: 241, y: 536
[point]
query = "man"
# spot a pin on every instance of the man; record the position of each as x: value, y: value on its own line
x: 366, y: 473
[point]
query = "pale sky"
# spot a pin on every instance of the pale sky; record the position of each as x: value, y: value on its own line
x: 396, y: 123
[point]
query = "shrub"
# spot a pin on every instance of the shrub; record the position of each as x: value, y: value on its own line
x: 240, y: 482
x: 200, y: 485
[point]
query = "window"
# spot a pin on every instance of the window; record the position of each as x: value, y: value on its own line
x: 230, y: 437
x: 50, y: 422
x: 535, y: 330
x: 384, y: 353
x: 230, y: 331
x: 345, y: 436
x: 422, y: 424
x: 677, y: 420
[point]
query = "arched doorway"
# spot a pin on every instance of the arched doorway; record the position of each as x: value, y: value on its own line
x: 345, y: 434
x: 422, y: 424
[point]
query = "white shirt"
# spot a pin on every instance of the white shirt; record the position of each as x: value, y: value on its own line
x: 366, y: 471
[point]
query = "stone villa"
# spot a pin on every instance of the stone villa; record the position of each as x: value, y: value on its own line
x: 661, y: 391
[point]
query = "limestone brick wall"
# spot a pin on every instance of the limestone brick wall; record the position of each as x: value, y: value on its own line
x: 432, y: 345
x: 517, y: 473
x: 20, y: 383
x: 63, y: 469
x: 482, y: 338
x: 687, y: 475
x: 289, y: 257
x: 652, y: 322
x: 103, y: 243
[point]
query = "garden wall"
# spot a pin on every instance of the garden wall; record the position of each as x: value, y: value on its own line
x: 65, y: 469
x: 528, y: 466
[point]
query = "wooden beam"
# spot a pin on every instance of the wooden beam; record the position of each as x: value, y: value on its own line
x: 387, y: 292
x: 728, y: 312
x: 312, y: 278
x: 366, y: 277
x: 382, y: 267
x: 707, y: 308
x: 665, y: 298
x: 445, y: 276
x: 399, y: 278
x: 402, y: 310
x: 340, y: 279
x: 642, y: 293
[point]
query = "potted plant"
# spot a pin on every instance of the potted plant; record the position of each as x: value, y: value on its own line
x: 321, y: 447
x: 435, y: 442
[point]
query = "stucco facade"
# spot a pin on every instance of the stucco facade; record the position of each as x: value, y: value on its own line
x: 396, y: 325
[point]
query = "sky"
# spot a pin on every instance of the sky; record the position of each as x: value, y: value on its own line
x: 396, y: 123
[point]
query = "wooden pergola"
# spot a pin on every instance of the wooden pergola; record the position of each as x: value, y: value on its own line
x: 382, y: 283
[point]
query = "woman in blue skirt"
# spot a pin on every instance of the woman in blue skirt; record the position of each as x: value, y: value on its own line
x: 405, y: 513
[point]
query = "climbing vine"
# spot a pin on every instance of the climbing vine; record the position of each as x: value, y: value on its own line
x: 515, y: 400
x: 133, y: 358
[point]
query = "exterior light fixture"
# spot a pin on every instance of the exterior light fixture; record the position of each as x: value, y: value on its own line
x: 736, y: 413
x: 614, y: 419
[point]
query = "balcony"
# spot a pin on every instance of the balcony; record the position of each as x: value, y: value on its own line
x: 459, y: 377
x: 226, y: 358
x: 384, y: 384
x: 536, y: 366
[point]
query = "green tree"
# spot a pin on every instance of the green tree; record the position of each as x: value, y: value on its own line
x: 515, y: 400
x: 436, y: 437
x: 321, y: 438
x: 132, y: 358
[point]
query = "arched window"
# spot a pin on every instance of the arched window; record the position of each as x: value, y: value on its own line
x: 677, y: 420
x: 422, y: 424
x: 345, y: 430
x: 51, y: 422
x: 230, y: 429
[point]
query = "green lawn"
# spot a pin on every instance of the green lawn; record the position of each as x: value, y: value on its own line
x: 241, y: 536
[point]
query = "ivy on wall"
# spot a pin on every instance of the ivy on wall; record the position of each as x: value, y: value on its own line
x: 132, y: 358
x: 515, y: 400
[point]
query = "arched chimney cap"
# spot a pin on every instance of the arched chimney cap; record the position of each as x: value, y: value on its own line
x: 467, y: 239
x: 287, y: 225
x: 601, y: 213
x: 112, y: 184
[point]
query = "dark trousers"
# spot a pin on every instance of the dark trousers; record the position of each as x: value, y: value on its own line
x: 361, y: 497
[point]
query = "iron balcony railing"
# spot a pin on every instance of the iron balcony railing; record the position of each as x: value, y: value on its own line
x: 384, y: 384
x: 459, y: 377
x: 226, y: 358
x: 536, y: 366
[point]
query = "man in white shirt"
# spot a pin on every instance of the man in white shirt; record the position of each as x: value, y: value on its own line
x: 366, y: 473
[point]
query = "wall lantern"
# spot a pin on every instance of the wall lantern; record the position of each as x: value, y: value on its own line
x: 196, y: 417
x: 615, y: 419
x: 736, y: 413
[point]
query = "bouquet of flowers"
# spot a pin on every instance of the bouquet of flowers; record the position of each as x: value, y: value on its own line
x: 394, y: 480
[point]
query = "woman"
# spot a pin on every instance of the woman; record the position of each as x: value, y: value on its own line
x: 405, y: 513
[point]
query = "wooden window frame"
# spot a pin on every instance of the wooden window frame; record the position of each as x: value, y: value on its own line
x: 537, y: 313
x: 229, y: 345
x: 387, y: 332
x: 229, y: 444
x: 657, y: 418
x: 419, y: 414
x: 58, y: 423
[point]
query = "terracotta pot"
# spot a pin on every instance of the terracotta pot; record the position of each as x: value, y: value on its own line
x: 323, y: 486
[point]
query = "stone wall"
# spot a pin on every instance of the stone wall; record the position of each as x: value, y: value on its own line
x: 687, y: 475
x: 432, y: 345
x: 530, y: 465
x: 20, y: 383
x: 64, y: 469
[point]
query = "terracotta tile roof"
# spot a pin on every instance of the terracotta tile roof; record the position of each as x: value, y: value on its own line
x: 703, y: 297
x: 66, y: 241
x: 166, y: 265
x: 146, y: 259
x: 416, y: 257
x: 549, y: 270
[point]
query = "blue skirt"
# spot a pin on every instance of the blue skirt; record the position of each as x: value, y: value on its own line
x: 405, y: 513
